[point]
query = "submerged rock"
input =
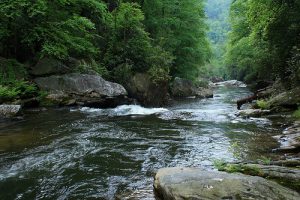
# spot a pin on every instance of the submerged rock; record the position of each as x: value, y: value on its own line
x: 186, y: 88
x: 82, y: 89
x: 196, y: 184
x: 9, y: 111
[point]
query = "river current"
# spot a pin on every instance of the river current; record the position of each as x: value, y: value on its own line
x: 86, y: 153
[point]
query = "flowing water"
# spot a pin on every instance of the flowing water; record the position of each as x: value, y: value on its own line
x: 84, y: 153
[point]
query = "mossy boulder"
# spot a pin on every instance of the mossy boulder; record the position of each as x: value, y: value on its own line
x: 285, y: 101
x: 142, y: 88
x: 186, y: 88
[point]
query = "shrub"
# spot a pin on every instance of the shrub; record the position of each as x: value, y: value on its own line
x: 86, y: 66
x: 296, y: 114
x: 263, y: 104
x: 18, y: 89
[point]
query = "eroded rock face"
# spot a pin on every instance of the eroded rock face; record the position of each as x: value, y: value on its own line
x: 196, y: 184
x: 82, y: 89
x: 8, y: 111
x: 186, y: 88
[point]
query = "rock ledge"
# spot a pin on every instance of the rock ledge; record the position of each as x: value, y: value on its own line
x: 196, y: 184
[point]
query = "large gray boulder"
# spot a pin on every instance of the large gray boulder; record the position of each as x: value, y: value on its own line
x: 186, y: 88
x: 196, y: 184
x: 9, y: 111
x: 82, y: 89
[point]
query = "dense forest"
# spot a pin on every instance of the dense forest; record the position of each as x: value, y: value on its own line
x: 264, y: 41
x: 217, y: 12
x: 164, y: 38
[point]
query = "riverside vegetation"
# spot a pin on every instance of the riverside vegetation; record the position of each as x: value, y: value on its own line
x: 116, y: 39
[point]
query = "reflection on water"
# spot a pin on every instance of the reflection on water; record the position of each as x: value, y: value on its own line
x: 113, y: 153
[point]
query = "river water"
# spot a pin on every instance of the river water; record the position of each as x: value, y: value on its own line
x: 84, y: 153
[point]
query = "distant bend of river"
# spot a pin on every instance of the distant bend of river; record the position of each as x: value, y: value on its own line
x: 85, y: 153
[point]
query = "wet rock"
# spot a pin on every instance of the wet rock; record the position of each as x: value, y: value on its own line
x: 230, y: 83
x: 82, y: 89
x: 252, y: 113
x: 196, y: 184
x: 146, y: 92
x: 186, y: 88
x: 49, y: 66
x: 290, y: 139
x: 9, y: 111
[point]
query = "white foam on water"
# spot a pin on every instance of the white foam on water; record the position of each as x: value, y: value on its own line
x: 125, y: 110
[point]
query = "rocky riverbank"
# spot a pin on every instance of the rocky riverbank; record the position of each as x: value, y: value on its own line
x: 56, y: 83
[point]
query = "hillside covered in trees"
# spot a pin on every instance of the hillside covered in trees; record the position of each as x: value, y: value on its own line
x: 164, y: 38
x: 264, y: 41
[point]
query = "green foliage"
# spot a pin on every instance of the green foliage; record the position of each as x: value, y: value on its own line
x: 265, y: 160
x: 179, y: 28
x: 7, y: 93
x: 48, y: 28
x: 264, y: 41
x: 263, y: 104
x: 220, y: 164
x: 17, y: 89
x: 11, y: 70
x: 234, y: 168
x: 236, y: 149
x: 160, y: 62
x: 217, y: 18
x: 161, y: 38
x: 92, y: 65
x: 296, y: 114
x: 130, y: 43
x: 122, y: 73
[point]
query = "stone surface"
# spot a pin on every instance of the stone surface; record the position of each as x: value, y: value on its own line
x: 82, y: 89
x: 285, y: 175
x: 290, y: 139
x: 147, y: 93
x: 49, y: 66
x: 8, y: 111
x: 186, y: 88
x: 196, y: 184
x: 252, y: 113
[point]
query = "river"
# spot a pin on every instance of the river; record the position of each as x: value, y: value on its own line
x: 85, y: 153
